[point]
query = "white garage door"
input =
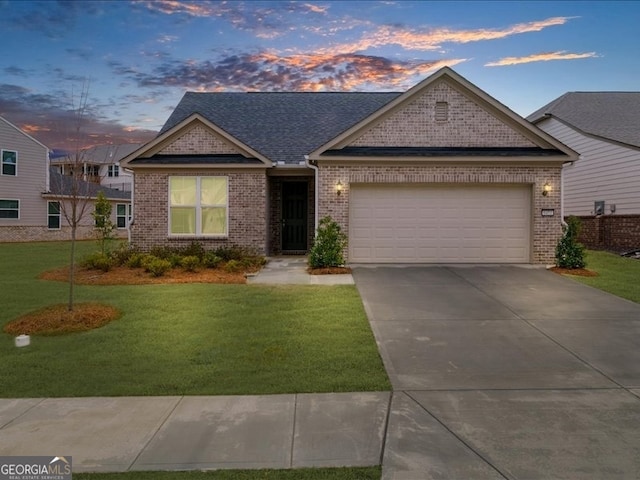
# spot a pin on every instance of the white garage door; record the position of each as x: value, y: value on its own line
x: 439, y: 224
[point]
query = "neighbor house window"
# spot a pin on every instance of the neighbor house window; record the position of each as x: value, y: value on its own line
x: 113, y: 171
x: 123, y: 214
x: 9, y: 208
x: 198, y: 206
x: 9, y: 162
x: 53, y: 215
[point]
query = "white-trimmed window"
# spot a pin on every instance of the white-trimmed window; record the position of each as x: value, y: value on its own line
x: 53, y: 215
x: 123, y: 214
x: 9, y: 208
x: 113, y: 171
x: 9, y: 162
x: 198, y: 206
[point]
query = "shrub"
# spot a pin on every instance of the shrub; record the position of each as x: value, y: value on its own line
x: 195, y: 249
x: 233, y: 266
x: 135, y: 260
x: 570, y: 253
x: 328, y: 245
x: 98, y: 261
x: 190, y: 263
x: 211, y: 260
x: 175, y: 259
x: 147, y: 259
x: 232, y: 252
x: 158, y: 266
x: 123, y: 254
x: 163, y: 252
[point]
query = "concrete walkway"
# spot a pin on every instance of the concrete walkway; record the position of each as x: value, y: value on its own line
x: 114, y: 434
x: 292, y: 270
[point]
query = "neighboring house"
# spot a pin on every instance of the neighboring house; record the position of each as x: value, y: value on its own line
x: 30, y: 193
x: 100, y: 164
x: 603, y: 188
x: 441, y: 173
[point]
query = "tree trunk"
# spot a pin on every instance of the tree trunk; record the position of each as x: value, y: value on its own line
x: 72, y: 268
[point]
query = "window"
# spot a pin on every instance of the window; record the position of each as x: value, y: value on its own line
x: 123, y: 215
x: 113, y: 171
x: 9, y: 208
x: 198, y: 206
x: 442, y: 111
x: 53, y: 215
x: 9, y: 162
x: 92, y: 170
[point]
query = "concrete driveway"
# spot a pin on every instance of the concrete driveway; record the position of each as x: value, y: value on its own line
x: 505, y: 372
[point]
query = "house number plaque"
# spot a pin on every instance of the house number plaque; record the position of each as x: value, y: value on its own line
x: 548, y: 212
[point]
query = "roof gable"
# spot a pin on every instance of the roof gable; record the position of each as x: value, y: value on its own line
x: 197, y: 139
x: 609, y: 115
x: 474, y: 120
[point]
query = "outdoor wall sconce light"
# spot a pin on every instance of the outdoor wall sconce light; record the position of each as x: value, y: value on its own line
x: 546, y: 189
x: 339, y: 188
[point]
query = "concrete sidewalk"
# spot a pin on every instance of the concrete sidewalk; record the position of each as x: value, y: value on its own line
x: 113, y: 434
x: 292, y: 270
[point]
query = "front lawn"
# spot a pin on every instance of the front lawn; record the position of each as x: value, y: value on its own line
x: 616, y: 274
x: 185, y: 339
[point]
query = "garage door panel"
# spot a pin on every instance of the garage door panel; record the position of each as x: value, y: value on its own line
x: 440, y: 224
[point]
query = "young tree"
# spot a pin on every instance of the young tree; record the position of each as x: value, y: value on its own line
x: 71, y: 190
x: 104, y: 225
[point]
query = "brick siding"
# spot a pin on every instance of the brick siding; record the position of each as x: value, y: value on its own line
x: 468, y: 125
x: 611, y: 232
x: 44, y: 234
x: 546, y: 231
x: 198, y: 140
x: 247, y: 210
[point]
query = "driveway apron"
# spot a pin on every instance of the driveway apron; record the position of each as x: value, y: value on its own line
x: 505, y: 372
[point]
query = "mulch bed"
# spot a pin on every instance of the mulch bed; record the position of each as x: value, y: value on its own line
x: 328, y: 270
x: 58, y: 320
x: 137, y: 276
x: 579, y: 272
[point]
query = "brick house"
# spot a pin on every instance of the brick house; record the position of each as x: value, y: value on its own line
x: 442, y: 173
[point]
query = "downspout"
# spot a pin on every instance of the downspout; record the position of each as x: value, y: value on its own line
x: 133, y: 212
x: 315, y: 192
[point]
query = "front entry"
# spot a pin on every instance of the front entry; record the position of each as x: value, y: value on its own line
x: 294, y: 216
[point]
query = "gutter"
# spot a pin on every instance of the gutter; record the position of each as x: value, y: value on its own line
x: 315, y: 193
x: 133, y: 211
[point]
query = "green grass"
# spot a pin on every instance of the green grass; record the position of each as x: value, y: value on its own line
x: 188, y: 339
x: 616, y: 274
x: 359, y: 473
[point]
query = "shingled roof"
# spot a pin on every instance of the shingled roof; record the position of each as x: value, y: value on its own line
x: 610, y: 115
x: 63, y: 186
x: 283, y: 126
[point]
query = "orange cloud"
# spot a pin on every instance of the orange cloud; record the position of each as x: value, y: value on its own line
x: 541, y: 57
x: 433, y: 39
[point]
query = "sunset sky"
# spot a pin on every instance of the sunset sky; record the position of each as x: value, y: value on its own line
x: 137, y: 58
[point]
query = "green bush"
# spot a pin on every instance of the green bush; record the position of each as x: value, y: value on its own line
x: 158, y: 266
x: 190, y: 263
x: 135, y: 260
x: 233, y: 266
x: 195, y: 249
x: 123, y: 254
x: 211, y: 260
x: 329, y: 243
x: 147, y: 259
x: 570, y: 253
x: 98, y: 261
x: 232, y: 252
x: 163, y: 252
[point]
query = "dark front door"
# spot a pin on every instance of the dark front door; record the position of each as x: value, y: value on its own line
x: 294, y: 216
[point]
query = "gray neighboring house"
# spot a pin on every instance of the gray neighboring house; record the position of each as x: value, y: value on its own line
x: 31, y: 193
x: 441, y: 173
x: 603, y: 188
x: 101, y: 164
